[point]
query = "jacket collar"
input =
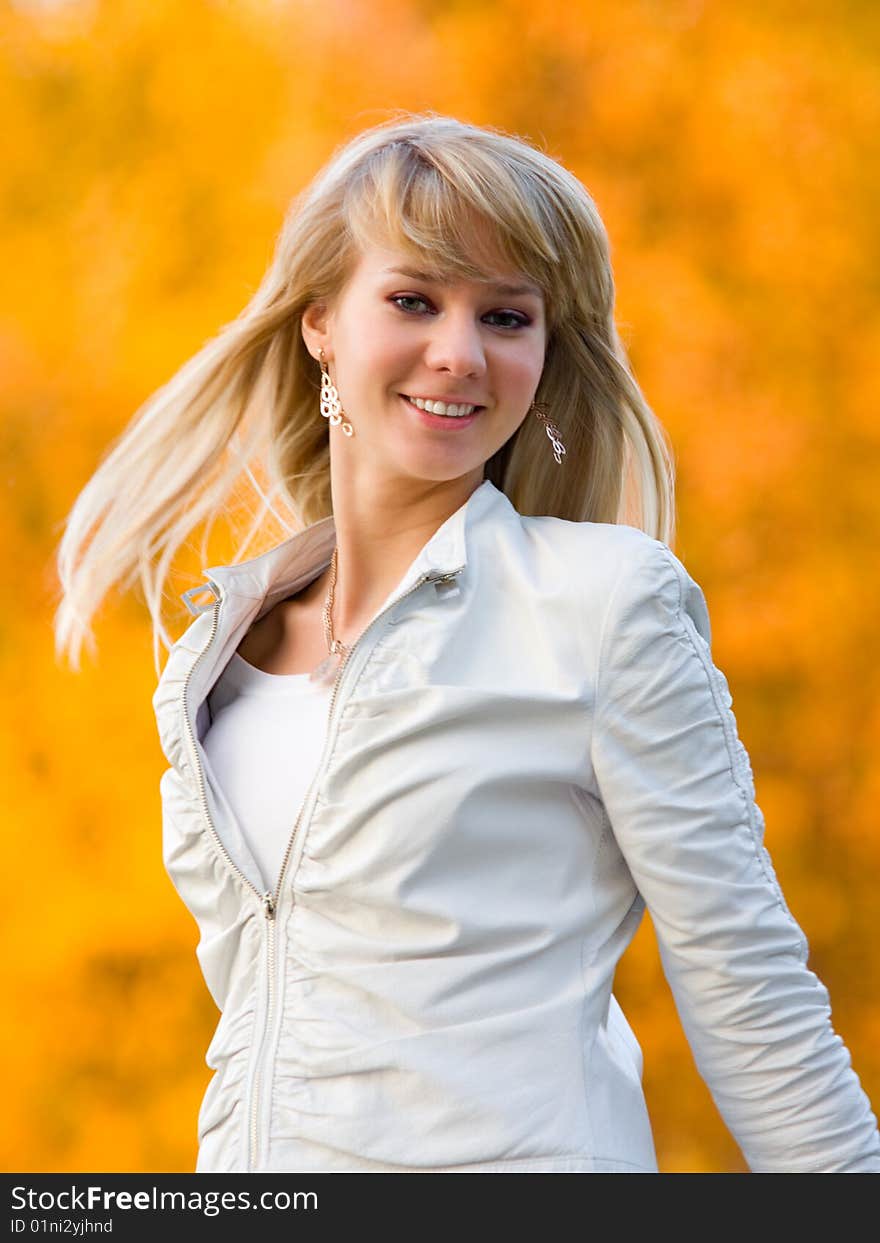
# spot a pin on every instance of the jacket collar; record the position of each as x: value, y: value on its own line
x: 292, y: 564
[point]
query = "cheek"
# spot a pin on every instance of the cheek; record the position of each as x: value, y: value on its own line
x: 365, y: 340
x: 526, y: 365
x: 539, y: 357
x: 383, y: 355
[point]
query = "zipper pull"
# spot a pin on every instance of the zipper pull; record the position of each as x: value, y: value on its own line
x: 194, y: 607
x: 268, y: 905
x: 446, y: 585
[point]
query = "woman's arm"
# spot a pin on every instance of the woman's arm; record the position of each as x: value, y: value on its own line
x: 677, y: 786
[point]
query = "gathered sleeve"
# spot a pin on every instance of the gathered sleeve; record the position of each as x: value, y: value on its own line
x: 677, y: 787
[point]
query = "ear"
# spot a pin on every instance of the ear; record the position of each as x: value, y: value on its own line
x: 314, y: 325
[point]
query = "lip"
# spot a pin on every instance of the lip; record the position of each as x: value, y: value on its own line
x: 442, y: 420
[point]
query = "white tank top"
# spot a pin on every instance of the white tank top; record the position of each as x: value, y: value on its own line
x: 263, y: 746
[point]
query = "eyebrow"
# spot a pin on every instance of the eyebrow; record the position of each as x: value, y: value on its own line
x: 510, y: 291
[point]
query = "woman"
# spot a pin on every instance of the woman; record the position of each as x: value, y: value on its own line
x: 432, y: 755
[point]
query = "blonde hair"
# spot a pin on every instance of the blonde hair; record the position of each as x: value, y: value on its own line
x: 247, y: 403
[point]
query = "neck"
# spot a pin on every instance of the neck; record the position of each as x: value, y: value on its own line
x: 380, y: 530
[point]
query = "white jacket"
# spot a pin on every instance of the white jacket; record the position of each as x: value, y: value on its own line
x: 527, y: 745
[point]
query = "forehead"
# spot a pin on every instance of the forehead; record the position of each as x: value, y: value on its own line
x: 387, y: 262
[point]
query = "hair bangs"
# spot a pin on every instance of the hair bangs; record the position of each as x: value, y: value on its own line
x: 450, y: 222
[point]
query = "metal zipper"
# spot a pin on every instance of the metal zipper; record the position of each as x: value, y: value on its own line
x: 270, y: 900
x: 267, y: 899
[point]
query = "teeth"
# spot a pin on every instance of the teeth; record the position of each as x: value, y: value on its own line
x: 441, y: 407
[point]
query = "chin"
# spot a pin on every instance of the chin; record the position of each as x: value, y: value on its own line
x: 441, y: 472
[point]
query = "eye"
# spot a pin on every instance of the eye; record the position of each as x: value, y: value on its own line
x: 519, y: 321
x: 397, y: 299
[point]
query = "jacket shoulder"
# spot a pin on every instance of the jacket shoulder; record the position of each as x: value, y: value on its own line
x: 603, y: 550
x: 622, y: 570
x: 647, y: 579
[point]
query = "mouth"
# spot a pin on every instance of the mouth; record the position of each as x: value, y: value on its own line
x: 450, y: 419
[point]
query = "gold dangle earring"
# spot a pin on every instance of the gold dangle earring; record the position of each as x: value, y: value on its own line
x: 331, y: 406
x: 551, y: 429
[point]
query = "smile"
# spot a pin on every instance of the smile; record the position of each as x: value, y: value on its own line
x: 447, y: 410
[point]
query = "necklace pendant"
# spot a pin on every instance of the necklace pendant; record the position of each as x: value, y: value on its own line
x: 325, y: 673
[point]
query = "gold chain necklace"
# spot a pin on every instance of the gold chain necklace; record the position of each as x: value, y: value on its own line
x: 325, y: 672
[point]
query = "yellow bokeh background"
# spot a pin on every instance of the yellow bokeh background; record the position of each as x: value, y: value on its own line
x: 151, y: 151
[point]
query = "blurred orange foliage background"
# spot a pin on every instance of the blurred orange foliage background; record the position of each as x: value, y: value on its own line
x: 151, y: 151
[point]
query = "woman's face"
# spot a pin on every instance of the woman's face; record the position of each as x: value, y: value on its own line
x: 394, y: 335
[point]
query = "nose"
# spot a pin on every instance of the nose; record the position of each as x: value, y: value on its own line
x: 455, y: 345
